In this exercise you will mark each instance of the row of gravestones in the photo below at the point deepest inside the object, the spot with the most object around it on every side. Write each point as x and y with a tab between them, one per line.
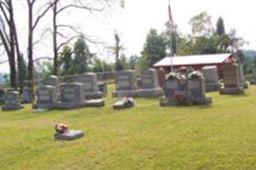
127	85
74	94
183	88
76	91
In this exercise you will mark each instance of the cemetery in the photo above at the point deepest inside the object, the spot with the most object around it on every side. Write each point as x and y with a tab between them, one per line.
122	85
111	134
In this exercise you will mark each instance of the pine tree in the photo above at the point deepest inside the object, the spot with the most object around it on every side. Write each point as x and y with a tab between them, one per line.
220	27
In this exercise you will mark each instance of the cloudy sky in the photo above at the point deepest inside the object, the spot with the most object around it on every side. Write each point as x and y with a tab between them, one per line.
139	16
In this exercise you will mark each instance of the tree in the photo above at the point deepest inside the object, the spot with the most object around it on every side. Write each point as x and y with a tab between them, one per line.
220	27
154	48
117	49
33	20
9	37
22	71
201	24
65	62
82	56
59	38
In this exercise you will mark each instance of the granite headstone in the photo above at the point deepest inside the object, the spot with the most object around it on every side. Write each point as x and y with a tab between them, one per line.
12	101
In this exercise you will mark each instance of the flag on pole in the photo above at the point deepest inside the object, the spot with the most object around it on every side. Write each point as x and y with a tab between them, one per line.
170	21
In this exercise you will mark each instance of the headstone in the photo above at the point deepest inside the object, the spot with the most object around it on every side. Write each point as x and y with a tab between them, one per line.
253	79
90	83
46	97
210	74
102	86
185	89
161	77
196	89
27	95
71	95
150	85
233	79
12	101
70	135
52	81
126	84
2	95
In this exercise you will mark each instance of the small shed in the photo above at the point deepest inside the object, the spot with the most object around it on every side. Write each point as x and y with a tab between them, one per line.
195	61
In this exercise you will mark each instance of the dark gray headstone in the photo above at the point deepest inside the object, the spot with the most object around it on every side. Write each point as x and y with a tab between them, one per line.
71	93
46	97
2	95
12	101
126	84
126	80
233	79
70	135
27	95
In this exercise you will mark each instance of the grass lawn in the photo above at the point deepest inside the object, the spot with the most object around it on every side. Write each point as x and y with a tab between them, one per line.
221	136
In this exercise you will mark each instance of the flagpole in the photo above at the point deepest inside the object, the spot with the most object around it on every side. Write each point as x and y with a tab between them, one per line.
170	24
171	51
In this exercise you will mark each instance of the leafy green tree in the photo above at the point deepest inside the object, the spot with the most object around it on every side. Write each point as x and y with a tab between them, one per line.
82	56
201	24
65	62
43	69
101	65
154	47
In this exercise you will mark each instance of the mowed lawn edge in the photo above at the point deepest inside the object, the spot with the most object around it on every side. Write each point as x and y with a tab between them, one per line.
219	136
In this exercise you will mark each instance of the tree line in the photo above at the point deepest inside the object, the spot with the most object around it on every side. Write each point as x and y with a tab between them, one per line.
37	10
74	58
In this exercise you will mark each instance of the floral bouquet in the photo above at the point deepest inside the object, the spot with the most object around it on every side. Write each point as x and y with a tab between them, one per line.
172	76
195	75
181	98
61	128
128	100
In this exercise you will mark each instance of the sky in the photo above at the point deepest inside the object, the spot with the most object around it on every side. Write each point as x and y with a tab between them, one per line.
134	21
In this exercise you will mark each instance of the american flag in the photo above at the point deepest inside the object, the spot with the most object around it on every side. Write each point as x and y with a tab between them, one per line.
170	22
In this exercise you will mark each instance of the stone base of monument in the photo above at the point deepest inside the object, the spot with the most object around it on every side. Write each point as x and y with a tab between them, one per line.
71	135
123	105
95	103
173	102
95	95
168	102
69	105
209	87
43	106
202	101
157	92
125	93
231	90
12	107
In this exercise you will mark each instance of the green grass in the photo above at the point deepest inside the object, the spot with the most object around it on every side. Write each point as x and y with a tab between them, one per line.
221	136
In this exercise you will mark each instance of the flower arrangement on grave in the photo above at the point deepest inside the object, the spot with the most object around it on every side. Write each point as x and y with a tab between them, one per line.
61	128
195	75
181	98
128	100
172	76
231	60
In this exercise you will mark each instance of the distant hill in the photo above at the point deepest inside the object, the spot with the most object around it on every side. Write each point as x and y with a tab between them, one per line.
2	79
250	54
